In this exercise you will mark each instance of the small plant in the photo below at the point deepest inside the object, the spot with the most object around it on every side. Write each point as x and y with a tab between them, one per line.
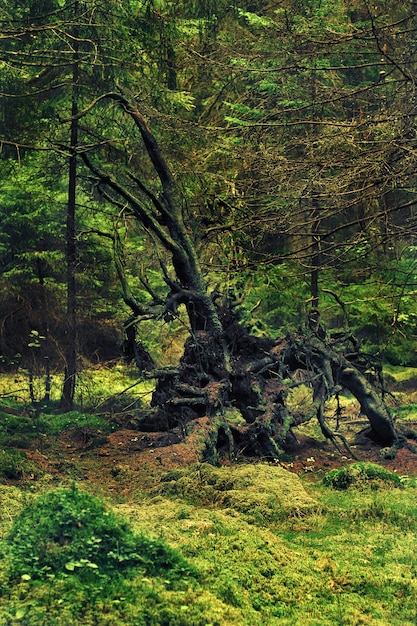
361	475
388	453
69	532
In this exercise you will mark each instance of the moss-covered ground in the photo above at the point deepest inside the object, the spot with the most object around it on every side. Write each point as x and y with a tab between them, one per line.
318	539
333	556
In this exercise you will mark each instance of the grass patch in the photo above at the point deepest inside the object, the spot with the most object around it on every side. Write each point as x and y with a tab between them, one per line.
406	412
108	396
95	387
55	423
118	386
401	374
27	429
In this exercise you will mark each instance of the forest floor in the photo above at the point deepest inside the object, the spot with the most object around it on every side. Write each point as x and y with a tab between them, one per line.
271	546
127	460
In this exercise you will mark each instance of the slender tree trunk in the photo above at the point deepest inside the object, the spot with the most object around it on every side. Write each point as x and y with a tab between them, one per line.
315	219
315	255
68	390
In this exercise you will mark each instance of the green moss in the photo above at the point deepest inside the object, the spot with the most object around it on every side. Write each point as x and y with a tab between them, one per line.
14	465
68	531
350	561
12	501
261	492
401	374
388	453
360	475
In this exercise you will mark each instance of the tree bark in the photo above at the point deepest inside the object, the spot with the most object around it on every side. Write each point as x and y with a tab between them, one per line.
332	372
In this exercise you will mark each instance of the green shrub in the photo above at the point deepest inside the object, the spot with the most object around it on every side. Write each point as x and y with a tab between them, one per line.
69	532
361	475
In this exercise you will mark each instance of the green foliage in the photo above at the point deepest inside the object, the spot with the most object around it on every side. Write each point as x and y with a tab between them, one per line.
31	217
253	19
360	475
112	388
273	299
378	305
305	100
69	532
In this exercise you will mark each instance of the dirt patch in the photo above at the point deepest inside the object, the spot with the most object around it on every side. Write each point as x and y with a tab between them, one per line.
128	460
313	457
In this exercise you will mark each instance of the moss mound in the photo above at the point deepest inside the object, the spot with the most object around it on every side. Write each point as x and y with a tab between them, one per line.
262	492
361	475
69	532
11	503
14	465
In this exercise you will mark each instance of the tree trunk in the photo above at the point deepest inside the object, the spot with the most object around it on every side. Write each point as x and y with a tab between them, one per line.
371	404
333	372
70	351
315	260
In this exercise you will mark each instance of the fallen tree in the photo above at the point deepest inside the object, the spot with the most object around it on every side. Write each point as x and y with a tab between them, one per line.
262	373
223	366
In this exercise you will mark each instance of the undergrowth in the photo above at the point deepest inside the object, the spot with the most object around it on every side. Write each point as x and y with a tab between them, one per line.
105	398
96	388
